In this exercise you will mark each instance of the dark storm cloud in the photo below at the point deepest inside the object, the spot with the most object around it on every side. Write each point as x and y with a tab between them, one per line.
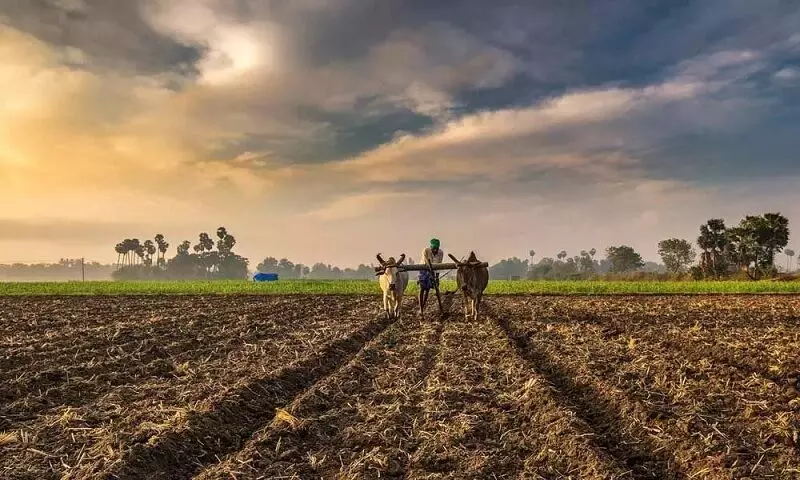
112	33
355	74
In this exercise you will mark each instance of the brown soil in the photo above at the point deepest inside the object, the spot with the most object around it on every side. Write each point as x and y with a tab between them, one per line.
326	387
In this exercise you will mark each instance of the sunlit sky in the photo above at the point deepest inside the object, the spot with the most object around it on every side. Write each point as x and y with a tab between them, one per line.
330	130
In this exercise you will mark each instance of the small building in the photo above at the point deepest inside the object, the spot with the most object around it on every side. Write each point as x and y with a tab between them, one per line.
265	277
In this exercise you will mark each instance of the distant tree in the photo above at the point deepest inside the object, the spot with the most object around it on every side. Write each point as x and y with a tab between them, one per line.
320	271
226	241
286	269
183	248
64	270
623	259
149	250
298	271
677	254
138	249
754	243
183	264
742	250
586	262
127	249
562	255
163	246
203	248
789	254
268	265
120	249
544	269
713	241
508	268
773	235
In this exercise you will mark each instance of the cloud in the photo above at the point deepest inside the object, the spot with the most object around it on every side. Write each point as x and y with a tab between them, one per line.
362	204
788	75
231	49
108	36
541	123
417	69
517	139
62	230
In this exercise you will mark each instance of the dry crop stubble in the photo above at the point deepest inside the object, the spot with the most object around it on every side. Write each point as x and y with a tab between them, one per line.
713	418
541	387
354	423
105	428
485	415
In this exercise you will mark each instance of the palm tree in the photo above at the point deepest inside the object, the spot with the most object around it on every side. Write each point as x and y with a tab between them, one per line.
713	241
789	254
138	249
777	234
128	247
162	250
205	244
120	249
532	254
149	249
183	248
206	241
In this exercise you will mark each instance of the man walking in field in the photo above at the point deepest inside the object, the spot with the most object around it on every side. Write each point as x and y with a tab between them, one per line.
426	279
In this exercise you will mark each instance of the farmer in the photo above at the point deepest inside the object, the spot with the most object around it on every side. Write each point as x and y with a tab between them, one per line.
426	280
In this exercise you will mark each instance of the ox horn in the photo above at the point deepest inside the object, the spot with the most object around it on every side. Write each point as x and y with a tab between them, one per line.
402	259
455	260
380	260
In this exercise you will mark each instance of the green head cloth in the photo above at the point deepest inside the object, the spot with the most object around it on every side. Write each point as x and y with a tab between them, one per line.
434	243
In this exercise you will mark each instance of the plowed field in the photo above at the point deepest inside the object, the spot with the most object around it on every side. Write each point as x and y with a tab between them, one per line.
245	387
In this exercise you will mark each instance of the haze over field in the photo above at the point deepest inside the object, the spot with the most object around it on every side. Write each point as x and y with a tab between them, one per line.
330	130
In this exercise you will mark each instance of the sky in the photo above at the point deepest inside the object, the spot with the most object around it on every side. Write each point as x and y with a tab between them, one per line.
331	130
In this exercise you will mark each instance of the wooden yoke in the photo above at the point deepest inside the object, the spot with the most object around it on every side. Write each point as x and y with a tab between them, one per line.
435	267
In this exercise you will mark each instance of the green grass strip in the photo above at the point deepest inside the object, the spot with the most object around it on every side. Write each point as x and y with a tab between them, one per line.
361	287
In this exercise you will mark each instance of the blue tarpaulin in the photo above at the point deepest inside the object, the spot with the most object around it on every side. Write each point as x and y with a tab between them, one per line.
265	277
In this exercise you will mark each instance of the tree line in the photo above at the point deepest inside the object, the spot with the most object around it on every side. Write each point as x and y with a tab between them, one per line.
205	260
619	261
65	269
749	249
319	271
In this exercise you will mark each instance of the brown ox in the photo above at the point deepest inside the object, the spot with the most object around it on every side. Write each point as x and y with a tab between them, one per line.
393	283
472	279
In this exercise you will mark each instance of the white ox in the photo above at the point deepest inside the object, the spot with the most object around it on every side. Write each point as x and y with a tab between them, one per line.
393	283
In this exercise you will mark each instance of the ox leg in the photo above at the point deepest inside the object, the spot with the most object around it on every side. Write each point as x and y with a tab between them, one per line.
476	306
397	302
386	304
